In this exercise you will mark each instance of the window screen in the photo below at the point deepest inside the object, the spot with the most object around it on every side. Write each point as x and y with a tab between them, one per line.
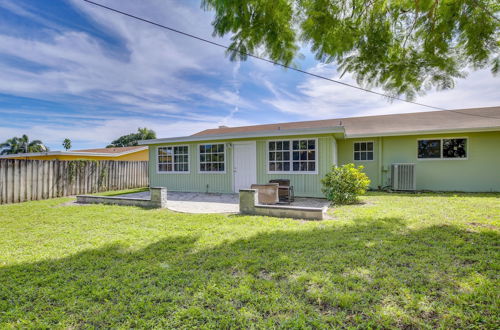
173	159
212	158
292	156
449	148
454	148
429	149
363	151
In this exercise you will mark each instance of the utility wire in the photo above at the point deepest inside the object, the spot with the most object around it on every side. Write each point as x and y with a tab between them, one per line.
474	114
257	57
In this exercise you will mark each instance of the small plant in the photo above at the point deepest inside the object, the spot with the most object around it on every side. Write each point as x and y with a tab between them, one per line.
101	180
76	166
343	184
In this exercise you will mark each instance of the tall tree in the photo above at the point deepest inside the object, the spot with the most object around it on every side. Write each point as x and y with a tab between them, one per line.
403	46
132	139
66	144
21	145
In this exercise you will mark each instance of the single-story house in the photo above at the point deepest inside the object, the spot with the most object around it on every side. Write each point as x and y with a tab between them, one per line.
134	153
452	150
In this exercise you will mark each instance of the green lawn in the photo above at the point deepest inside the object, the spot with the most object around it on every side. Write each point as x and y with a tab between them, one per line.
404	261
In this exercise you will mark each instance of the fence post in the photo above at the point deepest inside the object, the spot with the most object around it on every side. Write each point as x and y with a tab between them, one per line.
3	178
29	179
51	179
25	180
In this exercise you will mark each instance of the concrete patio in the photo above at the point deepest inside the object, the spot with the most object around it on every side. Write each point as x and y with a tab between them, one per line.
214	203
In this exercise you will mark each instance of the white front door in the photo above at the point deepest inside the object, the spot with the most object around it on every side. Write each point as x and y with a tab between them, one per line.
244	165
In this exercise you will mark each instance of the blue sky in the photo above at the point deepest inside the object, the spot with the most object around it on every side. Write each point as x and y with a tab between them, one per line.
69	69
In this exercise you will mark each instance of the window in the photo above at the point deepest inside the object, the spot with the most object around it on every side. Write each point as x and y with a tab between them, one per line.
279	156
429	149
173	159
363	150
212	158
450	148
454	148
292	156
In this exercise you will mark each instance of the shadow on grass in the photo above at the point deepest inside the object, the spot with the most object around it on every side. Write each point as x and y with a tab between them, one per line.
371	274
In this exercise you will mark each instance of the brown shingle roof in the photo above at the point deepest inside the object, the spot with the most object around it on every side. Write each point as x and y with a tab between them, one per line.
463	119
118	150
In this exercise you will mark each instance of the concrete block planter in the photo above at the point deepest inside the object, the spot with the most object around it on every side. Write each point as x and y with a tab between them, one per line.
158	199
249	205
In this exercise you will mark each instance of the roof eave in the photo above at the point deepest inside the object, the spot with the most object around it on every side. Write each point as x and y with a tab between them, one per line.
420	132
31	154
247	135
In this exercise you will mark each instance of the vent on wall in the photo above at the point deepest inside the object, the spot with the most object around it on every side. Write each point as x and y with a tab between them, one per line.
403	177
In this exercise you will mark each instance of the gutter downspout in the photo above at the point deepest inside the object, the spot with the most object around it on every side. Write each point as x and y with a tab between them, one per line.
380	162
335	152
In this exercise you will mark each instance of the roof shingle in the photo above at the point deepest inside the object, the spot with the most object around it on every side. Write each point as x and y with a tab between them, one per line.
463	119
117	150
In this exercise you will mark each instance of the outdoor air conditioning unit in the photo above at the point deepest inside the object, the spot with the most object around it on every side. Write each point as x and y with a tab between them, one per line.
403	177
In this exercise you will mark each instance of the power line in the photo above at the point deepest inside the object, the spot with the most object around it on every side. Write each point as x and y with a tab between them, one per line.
256	56
474	114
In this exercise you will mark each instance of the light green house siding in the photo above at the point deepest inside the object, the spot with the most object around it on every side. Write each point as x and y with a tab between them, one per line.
192	181
304	184
479	172
308	185
345	151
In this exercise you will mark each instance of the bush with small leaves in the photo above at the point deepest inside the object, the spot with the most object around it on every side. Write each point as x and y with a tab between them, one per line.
343	184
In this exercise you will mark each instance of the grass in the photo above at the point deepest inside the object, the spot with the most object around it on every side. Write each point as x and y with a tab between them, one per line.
396	261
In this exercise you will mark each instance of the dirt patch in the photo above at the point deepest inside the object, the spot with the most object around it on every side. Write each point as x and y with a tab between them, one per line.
483	225
71	203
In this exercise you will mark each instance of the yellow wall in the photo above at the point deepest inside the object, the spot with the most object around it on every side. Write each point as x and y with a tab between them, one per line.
135	156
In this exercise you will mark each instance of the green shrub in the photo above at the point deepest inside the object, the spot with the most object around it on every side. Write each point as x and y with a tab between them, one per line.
343	184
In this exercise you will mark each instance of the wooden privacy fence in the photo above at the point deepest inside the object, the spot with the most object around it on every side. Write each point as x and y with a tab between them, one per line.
25	180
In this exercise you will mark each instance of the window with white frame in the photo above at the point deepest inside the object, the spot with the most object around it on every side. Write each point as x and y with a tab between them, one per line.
454	148
292	156
363	150
173	159
447	148
212	157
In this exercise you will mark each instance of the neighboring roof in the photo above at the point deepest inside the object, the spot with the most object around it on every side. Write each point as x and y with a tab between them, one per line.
397	124
102	152
116	150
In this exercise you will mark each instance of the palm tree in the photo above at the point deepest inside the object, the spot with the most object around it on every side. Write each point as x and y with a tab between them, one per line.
145	134
132	138
66	144
11	146
21	145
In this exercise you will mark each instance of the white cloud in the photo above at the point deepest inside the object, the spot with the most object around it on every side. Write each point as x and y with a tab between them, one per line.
150	74
315	98
99	131
145	76
172	84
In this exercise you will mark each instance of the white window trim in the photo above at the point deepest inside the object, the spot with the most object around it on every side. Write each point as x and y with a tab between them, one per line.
291	160
198	158
354	151
157	162
441	148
